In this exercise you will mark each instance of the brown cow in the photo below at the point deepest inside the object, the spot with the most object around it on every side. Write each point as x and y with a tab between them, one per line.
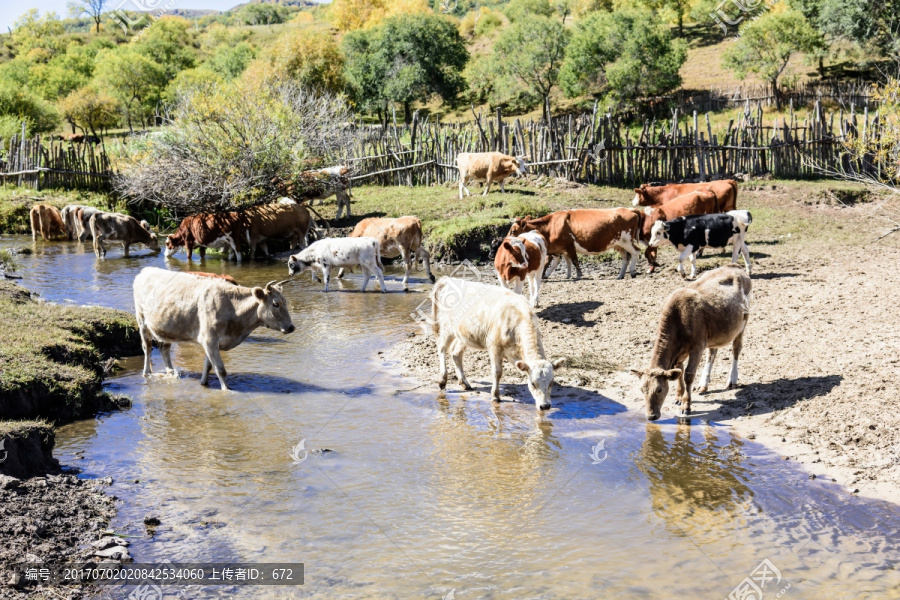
397	237
520	258
708	314
488	167
587	231
47	221
725	191
208	230
83	216
285	219
121	228
223	276
692	203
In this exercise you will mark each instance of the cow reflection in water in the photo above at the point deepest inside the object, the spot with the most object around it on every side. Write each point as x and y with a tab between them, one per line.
692	481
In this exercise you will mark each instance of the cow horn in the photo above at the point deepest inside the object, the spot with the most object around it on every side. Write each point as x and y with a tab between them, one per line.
276	284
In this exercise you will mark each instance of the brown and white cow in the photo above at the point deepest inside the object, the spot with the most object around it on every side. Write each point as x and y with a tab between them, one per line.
83	216
321	184
280	220
521	258
174	307
397	237
47	221
586	231
708	314
488	167
701	202
725	191
223	276
207	230
116	227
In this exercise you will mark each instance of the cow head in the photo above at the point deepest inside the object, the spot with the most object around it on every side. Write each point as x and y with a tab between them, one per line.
655	386
659	234
297	266
173	243
273	309
521	166
519	226
518	253
540	379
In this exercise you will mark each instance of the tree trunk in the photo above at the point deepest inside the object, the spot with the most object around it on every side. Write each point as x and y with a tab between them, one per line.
680	25
407	113
97	21
822	67
776	94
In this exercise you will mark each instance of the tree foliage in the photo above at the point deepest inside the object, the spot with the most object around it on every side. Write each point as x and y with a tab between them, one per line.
406	59
766	46
22	105
312	59
235	145
630	52
89	109
532	52
132	78
349	15
517	10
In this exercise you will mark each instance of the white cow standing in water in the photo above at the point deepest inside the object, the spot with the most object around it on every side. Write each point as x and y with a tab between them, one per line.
340	253
466	314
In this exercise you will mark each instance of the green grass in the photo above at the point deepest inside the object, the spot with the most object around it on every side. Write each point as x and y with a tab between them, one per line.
22	428
52	357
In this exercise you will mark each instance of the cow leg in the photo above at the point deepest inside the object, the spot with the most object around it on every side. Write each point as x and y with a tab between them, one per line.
693	363
340	274
127	246
326	277
425	257
534	285
650	255
681	258
367	274
99	248
573	258
496	372
35	225
745	250
707	370
204	376
457	354
442	344
166	351
693	259
736	347
211	347
626	258
487	186
347	203
407	257
502	186
380	275
554	262
147	344
462	185
519	286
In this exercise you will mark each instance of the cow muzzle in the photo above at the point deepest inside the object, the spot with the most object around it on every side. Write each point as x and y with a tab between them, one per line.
288	329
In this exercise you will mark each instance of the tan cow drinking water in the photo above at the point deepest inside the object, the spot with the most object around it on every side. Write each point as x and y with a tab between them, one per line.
173	307
47	221
710	313
467	314
488	167
116	227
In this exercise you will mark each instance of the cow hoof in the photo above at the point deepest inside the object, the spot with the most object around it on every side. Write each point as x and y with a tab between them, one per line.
495	399
431	277
204	383
467	387
442	384
732	386
701	390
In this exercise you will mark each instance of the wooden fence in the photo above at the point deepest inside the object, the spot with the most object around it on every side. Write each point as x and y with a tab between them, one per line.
39	164
600	148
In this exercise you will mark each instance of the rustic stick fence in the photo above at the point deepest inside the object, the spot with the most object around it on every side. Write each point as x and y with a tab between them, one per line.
40	164
598	147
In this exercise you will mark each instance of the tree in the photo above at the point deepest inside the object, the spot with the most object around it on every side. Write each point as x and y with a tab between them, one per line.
132	78
20	104
349	15
406	59
519	9
32	31
677	8
230	61
168	43
533	49
91	8
64	73
766	46
262	14
630	51
90	110
234	145
310	58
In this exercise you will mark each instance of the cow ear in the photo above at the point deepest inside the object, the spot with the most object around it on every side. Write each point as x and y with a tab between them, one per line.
637	190
672	374
522	366
558	363
259	293
637	372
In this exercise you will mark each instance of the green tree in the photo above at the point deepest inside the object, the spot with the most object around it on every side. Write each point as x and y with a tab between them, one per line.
133	79
519	9
231	61
766	46
20	104
677	8
630	51
262	14
406	59
168	43
533	49
65	72
310	58
32	31
871	24
89	109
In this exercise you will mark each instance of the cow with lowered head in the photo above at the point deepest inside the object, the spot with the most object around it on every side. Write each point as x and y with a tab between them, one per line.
116	227
488	167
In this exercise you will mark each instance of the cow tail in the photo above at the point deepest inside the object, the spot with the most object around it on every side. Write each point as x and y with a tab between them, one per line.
378	255
638	226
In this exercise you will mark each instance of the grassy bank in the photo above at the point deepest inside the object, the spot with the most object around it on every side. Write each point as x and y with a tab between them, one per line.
16	202
53	357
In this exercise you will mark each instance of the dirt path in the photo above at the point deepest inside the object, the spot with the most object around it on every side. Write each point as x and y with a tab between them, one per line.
819	368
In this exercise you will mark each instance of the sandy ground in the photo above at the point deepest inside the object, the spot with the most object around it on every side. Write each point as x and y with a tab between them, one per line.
819	367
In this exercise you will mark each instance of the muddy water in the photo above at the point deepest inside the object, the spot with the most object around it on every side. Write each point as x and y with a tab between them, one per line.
402	493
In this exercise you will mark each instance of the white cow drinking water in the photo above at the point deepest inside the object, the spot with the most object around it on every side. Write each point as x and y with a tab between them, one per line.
340	253
467	314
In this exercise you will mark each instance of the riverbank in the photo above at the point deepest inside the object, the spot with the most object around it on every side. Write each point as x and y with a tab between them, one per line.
54	357
819	364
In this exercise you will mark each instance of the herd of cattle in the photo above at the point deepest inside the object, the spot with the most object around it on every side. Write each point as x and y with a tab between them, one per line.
215	312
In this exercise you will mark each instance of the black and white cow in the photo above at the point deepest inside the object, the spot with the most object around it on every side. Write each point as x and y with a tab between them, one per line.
691	234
